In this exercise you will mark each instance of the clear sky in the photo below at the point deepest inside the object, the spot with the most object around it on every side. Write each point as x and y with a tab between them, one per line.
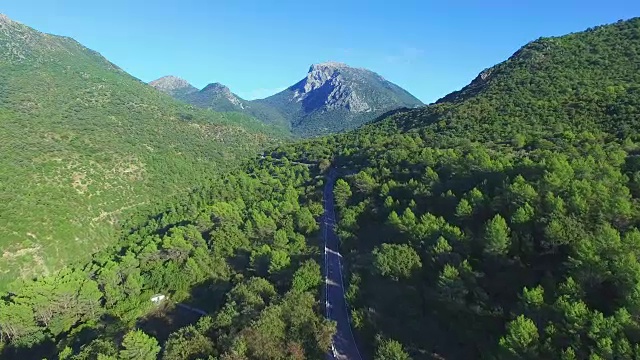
258	47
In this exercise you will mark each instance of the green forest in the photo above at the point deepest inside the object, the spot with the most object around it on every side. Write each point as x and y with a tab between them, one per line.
242	250
502	222
87	149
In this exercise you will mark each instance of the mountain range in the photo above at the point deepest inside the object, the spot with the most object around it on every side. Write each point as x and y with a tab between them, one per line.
333	97
502	220
218	97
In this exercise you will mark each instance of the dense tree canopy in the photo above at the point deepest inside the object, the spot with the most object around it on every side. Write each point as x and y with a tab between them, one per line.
88	150
139	346
512	204
241	251
396	261
502	222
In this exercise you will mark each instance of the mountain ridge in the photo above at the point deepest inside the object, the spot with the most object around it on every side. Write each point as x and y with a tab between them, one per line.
335	97
173	85
332	97
87	146
218	97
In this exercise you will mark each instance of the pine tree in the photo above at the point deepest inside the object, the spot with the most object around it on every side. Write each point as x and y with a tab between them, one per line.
496	236
521	339
137	345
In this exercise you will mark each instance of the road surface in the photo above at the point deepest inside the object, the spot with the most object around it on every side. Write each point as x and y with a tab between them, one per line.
195	310
343	344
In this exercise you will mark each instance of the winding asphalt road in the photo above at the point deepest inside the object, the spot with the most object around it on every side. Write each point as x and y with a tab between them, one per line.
343	345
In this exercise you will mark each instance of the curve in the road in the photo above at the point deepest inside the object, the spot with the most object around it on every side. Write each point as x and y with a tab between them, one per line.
343	346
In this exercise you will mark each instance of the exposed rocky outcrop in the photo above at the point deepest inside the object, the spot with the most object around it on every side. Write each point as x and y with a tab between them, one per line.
335	97
4	20
217	90
173	85
334	90
332	97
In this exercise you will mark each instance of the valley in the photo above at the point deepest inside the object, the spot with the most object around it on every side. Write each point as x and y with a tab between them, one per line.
339	218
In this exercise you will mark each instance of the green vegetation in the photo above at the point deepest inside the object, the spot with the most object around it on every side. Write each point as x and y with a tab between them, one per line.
503	221
390	350
136	345
218	97
244	251
87	150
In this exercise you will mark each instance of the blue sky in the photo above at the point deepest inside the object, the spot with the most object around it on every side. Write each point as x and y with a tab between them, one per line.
259	47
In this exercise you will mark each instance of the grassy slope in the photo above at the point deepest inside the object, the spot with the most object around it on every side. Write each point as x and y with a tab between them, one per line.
217	102
86	145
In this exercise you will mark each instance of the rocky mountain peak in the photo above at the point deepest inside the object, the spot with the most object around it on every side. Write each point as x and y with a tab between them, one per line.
4	19
6	24
328	65
170	83
220	90
332	96
217	87
331	85
321	73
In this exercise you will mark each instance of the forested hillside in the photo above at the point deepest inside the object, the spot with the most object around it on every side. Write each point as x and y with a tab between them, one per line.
218	97
86	148
503	221
500	223
245	251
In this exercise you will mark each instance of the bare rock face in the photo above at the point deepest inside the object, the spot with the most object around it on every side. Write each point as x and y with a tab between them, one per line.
172	85
331	88
335	97
332	97
485	74
4	20
319	74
